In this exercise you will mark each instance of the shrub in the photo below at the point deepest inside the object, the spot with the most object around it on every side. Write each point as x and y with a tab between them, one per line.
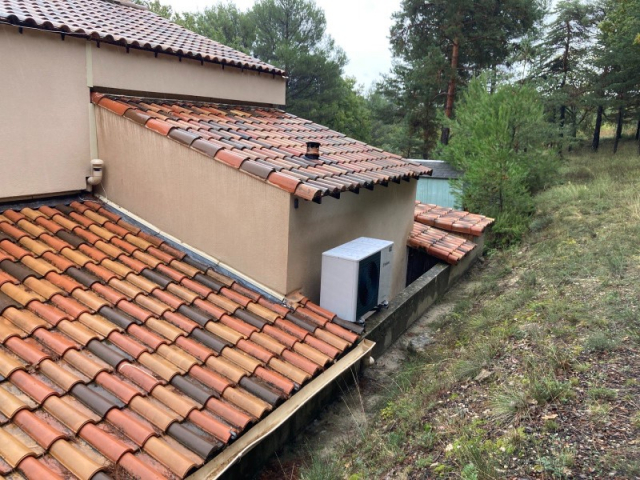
499	140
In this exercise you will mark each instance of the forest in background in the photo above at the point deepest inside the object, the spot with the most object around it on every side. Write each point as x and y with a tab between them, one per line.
582	57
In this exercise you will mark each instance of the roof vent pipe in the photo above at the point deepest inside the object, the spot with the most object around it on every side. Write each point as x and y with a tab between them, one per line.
96	173
313	150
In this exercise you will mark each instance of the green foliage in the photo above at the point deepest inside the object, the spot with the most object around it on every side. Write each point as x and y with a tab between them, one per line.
422	40
289	34
319	468
499	142
222	22
158	8
599	341
559	464
390	128
565	73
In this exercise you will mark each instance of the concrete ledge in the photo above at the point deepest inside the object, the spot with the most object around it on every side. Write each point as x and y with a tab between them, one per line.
386	326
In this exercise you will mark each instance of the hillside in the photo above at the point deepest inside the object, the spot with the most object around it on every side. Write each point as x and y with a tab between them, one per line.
535	367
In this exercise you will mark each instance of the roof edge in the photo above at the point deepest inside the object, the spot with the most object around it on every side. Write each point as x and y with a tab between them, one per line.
142	94
47	27
310	186
222	463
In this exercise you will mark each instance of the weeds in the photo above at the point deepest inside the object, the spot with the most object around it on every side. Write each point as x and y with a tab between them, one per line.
508	404
321	468
599	342
544	318
546	389
559	464
601	393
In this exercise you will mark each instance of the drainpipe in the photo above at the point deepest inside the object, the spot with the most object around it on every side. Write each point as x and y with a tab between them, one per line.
96	174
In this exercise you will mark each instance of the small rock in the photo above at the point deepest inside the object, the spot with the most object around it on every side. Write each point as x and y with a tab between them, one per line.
420	343
483	375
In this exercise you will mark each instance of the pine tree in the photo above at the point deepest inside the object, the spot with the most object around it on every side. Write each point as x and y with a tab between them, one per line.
499	141
619	54
565	71
447	41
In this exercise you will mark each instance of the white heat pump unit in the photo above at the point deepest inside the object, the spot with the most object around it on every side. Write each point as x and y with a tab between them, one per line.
356	277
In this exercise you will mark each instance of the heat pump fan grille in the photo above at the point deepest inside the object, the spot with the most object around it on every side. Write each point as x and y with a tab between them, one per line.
368	284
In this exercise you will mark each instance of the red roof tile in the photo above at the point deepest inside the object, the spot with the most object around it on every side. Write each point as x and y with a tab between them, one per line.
144	368
124	24
451	220
437	243
270	145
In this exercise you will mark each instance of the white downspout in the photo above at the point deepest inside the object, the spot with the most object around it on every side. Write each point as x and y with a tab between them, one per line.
96	173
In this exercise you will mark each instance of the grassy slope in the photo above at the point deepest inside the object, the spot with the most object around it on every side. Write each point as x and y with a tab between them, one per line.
554	323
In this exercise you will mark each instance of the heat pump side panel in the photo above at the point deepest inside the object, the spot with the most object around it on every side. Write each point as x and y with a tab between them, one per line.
386	273
339	286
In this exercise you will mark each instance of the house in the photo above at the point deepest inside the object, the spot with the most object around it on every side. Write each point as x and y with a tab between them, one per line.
147	326
436	188
250	208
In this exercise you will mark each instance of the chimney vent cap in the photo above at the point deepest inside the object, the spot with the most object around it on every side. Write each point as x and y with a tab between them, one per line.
313	150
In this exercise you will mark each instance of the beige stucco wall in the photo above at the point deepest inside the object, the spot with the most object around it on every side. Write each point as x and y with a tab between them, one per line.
239	220
139	70
385	213
44	115
45	110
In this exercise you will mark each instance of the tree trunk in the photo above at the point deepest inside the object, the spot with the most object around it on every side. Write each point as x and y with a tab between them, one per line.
563	116
565	72
451	90
596	131
618	129
494	79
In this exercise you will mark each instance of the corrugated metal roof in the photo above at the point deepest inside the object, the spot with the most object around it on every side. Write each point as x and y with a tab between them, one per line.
441	169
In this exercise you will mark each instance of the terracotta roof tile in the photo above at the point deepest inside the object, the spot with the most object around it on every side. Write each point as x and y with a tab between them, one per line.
275	150
122	24
431	229
451	220
444	246
134	356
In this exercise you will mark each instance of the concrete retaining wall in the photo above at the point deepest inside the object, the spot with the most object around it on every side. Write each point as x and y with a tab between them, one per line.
386	326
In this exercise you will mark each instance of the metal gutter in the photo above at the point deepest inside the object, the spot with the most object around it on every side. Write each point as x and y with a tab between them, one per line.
277	428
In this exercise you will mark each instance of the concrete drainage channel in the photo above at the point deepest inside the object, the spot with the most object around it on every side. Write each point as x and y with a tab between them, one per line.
245	457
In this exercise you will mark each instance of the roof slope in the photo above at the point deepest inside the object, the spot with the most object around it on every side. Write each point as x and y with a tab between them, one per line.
122	354
451	220
432	226
269	144
114	22
440	244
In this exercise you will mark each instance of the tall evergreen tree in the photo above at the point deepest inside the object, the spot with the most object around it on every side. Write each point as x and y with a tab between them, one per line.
448	41
222	22
565	70
499	143
619	54
291	34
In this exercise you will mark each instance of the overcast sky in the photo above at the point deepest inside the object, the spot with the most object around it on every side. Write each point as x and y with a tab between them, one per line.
360	27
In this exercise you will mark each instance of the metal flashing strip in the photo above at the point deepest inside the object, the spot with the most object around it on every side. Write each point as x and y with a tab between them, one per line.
228	457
